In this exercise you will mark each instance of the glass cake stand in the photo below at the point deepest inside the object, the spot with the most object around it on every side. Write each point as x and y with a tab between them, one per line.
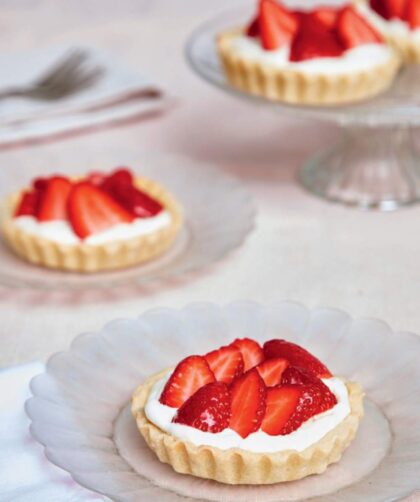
376	164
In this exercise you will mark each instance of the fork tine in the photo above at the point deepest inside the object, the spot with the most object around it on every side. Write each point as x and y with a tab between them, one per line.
76	83
58	72
88	77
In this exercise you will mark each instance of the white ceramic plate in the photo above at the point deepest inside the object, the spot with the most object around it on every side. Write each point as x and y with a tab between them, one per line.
219	214
80	406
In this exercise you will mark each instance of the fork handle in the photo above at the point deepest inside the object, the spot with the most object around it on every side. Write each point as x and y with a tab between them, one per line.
14	92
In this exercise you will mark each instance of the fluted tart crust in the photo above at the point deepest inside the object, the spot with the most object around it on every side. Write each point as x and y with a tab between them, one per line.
86	258
293	86
236	466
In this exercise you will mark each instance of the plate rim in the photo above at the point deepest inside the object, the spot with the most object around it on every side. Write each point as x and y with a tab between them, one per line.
223	307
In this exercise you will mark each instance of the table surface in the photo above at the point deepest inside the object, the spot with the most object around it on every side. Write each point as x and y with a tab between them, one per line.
303	248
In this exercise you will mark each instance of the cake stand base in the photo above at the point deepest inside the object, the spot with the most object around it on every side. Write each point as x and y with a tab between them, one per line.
370	168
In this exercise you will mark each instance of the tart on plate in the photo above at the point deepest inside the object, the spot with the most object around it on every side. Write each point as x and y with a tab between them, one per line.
320	57
398	21
98	222
246	414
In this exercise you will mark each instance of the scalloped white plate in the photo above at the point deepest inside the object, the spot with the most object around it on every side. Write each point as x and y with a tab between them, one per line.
219	214
80	406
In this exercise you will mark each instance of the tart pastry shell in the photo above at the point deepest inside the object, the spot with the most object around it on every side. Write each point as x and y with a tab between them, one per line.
236	466
406	46
87	258
296	87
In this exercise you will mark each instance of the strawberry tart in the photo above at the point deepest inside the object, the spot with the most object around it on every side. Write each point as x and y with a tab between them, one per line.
90	224
319	57
398	21
246	414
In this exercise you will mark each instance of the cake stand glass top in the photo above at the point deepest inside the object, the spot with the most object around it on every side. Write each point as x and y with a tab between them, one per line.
400	105
376	165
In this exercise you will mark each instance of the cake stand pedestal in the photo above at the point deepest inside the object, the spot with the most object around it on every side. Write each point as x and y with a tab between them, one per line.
376	168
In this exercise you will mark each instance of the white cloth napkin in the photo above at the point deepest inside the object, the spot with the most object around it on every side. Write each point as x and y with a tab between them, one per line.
25	473
114	97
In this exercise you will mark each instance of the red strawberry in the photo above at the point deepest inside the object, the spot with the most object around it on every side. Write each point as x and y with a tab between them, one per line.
326	16
226	363
353	29
396	8
28	205
248	403
314	41
208	409
191	374
380	7
120	185
277	25
120	178
253	29
53	204
280	405
412	14
251	351
293	376
40	183
271	370
310	403
297	356
138	202
91	210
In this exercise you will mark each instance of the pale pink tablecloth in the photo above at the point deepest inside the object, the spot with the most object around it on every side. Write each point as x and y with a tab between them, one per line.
303	249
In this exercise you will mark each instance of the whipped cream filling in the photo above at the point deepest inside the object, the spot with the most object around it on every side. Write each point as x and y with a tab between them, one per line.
359	58
60	231
308	433
395	27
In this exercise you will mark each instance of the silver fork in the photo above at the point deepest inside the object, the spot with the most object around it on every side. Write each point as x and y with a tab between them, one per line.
68	76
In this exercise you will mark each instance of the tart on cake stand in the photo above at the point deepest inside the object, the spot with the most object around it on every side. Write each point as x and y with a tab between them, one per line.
375	165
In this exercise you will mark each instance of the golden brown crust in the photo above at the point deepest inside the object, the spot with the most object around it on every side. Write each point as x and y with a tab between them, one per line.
95	258
235	466
406	46
294	86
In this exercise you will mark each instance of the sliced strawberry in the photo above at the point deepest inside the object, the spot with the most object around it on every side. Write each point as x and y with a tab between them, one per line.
91	210
251	351
380	7
28	205
226	363
191	374
314	41
253	29
271	370
208	409
277	25
397	8
138	202
294	376
326	16
310	403
412	14
120	178
248	403
53	204
120	185
299	376
281	403
353	29
297	356
40	183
